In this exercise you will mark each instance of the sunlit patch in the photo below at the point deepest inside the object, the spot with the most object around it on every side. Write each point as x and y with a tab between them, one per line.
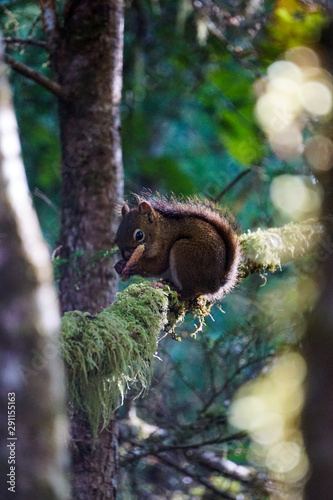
268	409
286	86
316	98
275	111
296	196
303	57
268	428
288	143
283	457
285	69
244	410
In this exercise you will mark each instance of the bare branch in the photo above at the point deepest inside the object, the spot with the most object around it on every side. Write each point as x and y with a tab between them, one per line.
24	41
213	463
42	196
196	477
239	370
37	77
156	448
232	184
50	23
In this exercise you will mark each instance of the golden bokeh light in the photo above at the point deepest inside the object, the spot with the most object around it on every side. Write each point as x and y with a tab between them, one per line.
316	98
298	197
286	69
303	57
268	409
295	91
276	111
288	143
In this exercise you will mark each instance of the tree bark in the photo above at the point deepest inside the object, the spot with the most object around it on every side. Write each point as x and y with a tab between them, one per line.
318	352
318	345
32	420
318	409
89	67
86	53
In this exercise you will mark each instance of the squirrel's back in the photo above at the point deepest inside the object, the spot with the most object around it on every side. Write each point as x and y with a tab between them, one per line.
210	213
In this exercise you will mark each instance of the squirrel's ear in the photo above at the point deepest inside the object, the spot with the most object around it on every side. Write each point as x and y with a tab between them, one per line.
146	209
125	209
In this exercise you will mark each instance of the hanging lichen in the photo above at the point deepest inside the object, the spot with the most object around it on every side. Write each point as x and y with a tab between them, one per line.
270	248
106	352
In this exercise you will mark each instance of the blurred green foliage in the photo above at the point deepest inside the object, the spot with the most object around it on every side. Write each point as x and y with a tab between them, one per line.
36	112
188	124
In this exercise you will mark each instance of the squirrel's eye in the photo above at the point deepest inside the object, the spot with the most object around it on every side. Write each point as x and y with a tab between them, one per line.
138	235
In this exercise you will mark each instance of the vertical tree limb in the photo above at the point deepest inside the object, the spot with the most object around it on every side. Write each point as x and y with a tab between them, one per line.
318	346
90	68
31	373
87	59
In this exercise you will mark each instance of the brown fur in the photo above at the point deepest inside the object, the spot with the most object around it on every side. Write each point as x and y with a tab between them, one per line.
189	242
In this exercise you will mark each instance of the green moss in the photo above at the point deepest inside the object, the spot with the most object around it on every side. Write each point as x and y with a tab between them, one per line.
176	312
107	352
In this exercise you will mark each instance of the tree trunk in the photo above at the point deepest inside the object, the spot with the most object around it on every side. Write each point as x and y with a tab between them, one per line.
87	60
89	66
318	409
318	352
318	345
32	420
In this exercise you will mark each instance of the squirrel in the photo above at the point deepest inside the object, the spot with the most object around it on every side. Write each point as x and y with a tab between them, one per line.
188	243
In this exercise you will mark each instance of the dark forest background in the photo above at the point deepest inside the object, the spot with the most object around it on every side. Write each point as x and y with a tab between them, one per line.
189	128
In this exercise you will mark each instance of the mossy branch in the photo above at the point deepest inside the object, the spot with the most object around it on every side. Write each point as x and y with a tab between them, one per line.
103	354
269	249
107	352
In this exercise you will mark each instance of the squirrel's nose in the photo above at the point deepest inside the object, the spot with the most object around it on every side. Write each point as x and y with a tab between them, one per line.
127	254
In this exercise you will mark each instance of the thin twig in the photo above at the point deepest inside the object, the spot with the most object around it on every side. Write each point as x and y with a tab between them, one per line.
37	77
214	463
155	449
33	25
218	393
24	41
42	196
195	477
232	184
192	387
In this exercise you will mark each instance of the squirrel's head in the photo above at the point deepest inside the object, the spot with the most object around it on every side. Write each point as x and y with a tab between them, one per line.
137	227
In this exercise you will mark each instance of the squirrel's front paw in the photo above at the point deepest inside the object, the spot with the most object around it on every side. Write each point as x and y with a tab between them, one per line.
120	266
124	270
